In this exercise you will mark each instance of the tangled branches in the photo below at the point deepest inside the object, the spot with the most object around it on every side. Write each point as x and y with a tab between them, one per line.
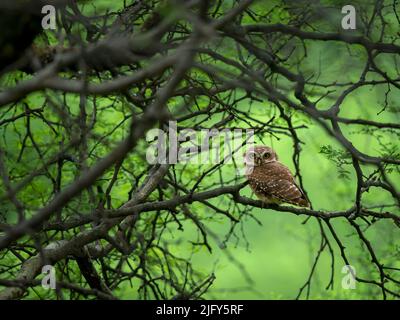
78	193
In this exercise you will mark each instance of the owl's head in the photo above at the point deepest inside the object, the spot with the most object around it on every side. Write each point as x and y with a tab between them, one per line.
259	155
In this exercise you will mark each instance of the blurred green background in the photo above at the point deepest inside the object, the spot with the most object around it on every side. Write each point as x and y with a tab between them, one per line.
271	255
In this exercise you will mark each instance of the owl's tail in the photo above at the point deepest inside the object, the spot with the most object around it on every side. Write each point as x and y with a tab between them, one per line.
303	202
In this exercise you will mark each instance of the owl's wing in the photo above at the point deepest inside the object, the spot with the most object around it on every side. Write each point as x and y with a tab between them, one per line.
277	181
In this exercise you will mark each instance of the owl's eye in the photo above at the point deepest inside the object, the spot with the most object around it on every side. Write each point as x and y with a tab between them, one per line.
251	156
266	155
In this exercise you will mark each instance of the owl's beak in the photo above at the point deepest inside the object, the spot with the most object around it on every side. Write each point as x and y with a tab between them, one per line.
257	160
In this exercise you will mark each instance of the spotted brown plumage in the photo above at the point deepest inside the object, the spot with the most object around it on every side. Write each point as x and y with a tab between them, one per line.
272	181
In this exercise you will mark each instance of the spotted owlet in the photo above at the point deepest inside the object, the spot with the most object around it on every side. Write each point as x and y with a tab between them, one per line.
270	180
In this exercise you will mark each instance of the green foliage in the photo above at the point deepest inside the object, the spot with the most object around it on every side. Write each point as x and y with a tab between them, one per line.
51	137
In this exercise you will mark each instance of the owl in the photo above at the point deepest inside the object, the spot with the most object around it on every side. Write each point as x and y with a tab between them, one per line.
270	180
